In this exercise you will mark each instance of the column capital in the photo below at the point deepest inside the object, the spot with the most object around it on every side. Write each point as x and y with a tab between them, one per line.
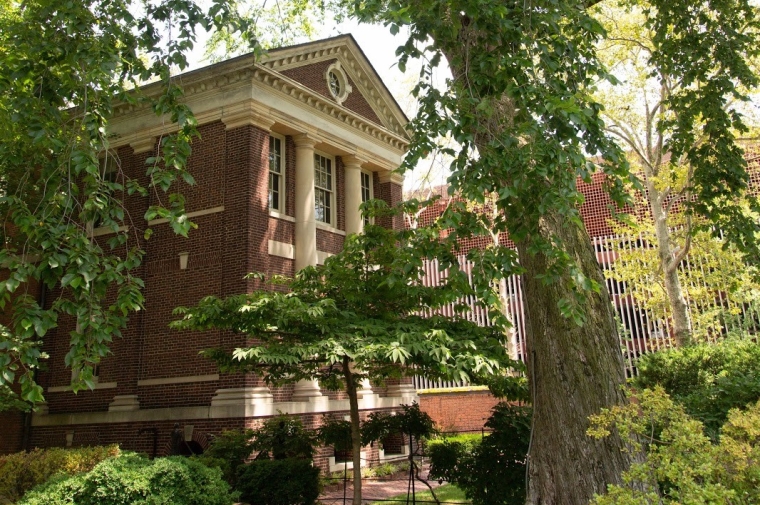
305	140
390	176
353	161
245	114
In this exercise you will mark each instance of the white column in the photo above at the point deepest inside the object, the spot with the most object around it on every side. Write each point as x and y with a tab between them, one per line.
306	224
354	221
306	389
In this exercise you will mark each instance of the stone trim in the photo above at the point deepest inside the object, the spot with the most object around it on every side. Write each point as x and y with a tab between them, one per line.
197	213
280	215
282	249
389	176
105	230
98	385
313	406
178	380
322	256
331	229
344	48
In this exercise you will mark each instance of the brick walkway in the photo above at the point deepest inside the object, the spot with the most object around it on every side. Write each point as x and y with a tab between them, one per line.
376	489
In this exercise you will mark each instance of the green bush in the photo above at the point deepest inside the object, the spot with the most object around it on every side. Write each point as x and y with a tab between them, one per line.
279	482
707	379
22	471
491	472
681	464
135	480
228	452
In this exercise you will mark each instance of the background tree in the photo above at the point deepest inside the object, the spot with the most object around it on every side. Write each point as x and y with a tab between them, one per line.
669	144
519	106
365	315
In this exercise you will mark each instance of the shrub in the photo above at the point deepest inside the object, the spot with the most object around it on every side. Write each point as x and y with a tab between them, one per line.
135	480
284	437
707	379
228	452
491	472
22	471
279	482
681	464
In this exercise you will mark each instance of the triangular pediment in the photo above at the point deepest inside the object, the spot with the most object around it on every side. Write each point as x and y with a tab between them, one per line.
307	64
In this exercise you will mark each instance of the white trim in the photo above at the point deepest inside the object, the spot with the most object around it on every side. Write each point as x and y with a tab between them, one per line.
282	174
280	215
98	385
330	228
322	256
282	249
348	465
178	380
390	176
197	213
333	191
345	88
243	409
107	230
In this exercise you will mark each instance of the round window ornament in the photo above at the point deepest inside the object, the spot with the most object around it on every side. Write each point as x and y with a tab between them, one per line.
337	82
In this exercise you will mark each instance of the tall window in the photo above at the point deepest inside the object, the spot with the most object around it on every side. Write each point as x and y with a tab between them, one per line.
323	188
366	190
276	182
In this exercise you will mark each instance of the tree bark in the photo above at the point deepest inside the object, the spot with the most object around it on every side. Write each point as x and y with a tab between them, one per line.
574	372
356	439
678	306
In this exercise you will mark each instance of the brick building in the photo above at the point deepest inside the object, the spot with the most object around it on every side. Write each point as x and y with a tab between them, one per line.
290	146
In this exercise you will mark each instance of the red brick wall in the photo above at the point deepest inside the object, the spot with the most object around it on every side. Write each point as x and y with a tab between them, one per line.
460	411
313	77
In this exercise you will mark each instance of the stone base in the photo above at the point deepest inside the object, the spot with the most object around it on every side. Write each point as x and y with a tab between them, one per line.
124	403
242	396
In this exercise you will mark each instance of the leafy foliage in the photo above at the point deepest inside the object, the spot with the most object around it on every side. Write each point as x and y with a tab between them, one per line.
411	421
681	462
134	479
708	380
64	67
367	305
283	437
22	471
228	452
280	482
491	471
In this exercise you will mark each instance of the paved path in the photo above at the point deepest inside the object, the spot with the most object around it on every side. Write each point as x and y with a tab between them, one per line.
376	489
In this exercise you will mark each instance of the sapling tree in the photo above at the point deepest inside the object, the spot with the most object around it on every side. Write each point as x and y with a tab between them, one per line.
366	314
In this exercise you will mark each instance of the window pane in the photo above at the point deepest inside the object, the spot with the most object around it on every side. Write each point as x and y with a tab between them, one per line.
275	173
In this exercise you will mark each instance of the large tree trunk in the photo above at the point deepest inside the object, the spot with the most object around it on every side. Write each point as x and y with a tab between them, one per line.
356	438
574	372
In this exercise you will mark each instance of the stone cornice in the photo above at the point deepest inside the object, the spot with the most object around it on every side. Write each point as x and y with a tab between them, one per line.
344	49
393	177
249	112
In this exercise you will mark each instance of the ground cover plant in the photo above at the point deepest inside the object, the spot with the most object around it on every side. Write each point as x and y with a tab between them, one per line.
447	493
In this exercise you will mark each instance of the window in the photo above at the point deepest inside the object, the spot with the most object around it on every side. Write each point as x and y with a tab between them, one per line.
276	175
366	179
323	188
337	82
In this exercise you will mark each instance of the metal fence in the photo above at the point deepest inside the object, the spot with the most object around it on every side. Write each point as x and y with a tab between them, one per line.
642	331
